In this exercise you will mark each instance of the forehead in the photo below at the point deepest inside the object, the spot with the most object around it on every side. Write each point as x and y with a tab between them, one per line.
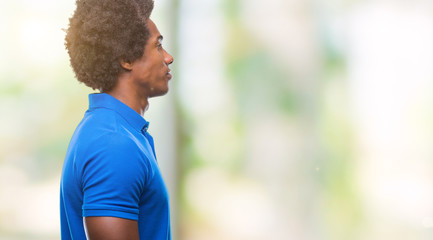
153	30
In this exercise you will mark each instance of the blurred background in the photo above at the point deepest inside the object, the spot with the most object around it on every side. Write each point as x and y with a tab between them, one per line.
286	119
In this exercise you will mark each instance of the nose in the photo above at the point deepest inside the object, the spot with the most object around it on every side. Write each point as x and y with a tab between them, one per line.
168	59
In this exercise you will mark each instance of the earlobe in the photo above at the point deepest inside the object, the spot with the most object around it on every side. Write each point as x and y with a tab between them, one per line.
126	65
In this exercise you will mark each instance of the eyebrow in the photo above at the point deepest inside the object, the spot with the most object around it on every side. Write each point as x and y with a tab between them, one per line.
160	38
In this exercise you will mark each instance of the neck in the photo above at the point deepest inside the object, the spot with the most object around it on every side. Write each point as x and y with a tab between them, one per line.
127	93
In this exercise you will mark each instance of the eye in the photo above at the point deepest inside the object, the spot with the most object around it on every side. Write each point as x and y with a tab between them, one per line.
159	46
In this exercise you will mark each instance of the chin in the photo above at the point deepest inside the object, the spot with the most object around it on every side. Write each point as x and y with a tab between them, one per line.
159	93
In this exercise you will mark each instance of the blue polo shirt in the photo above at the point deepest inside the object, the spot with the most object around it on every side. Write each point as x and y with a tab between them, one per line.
111	170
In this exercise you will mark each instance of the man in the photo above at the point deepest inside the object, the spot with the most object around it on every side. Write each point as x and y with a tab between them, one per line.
111	186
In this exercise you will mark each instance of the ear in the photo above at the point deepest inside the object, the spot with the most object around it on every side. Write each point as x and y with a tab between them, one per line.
127	65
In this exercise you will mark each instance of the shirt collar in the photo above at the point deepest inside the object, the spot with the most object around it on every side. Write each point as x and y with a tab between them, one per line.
103	100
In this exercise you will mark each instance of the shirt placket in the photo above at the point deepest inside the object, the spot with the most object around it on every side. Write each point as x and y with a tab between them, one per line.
149	138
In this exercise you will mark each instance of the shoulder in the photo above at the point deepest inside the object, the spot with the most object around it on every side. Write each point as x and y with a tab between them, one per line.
100	120
102	129
104	138
105	147
115	156
115	145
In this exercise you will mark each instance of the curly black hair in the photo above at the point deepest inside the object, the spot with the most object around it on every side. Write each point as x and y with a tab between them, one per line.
102	33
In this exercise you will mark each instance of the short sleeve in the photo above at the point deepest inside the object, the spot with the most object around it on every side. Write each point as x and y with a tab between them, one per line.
113	178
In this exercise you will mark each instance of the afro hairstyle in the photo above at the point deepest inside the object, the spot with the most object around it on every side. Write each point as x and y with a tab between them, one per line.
101	33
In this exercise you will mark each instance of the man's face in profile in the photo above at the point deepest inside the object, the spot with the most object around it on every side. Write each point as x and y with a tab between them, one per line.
151	71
